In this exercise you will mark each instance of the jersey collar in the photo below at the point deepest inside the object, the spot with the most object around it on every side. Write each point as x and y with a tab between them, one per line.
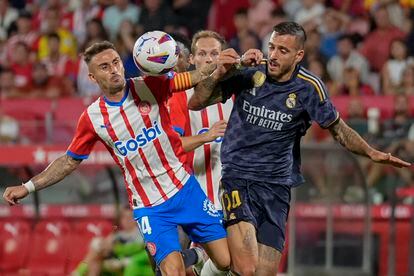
126	91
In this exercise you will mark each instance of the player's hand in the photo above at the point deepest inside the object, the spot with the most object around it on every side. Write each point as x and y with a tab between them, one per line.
216	130
225	61
13	194
251	57
387	158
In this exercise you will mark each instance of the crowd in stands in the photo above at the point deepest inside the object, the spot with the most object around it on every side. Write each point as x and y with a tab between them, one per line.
362	49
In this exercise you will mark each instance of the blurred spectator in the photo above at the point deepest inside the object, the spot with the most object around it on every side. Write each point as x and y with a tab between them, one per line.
95	32
241	23
67	40
249	41
351	7
24	33
332	28
376	46
8	87
352	84
120	253
45	86
310	14
124	44
192	14
319	69
120	11
85	87
347	56
407	83
21	64
58	64
260	15
8	14
278	16
83	13
9	129
312	50
156	15
356	116
398	139
394	67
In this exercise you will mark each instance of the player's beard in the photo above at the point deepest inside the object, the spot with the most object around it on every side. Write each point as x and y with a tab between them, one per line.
283	70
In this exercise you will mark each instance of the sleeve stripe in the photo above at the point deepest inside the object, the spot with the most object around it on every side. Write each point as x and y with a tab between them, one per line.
321	94
77	156
334	121
316	80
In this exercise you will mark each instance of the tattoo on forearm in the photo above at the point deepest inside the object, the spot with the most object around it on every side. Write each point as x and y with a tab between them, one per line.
349	138
55	172
249	240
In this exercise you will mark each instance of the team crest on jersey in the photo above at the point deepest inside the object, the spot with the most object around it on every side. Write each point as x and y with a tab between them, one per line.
291	100
144	107
152	248
258	79
208	207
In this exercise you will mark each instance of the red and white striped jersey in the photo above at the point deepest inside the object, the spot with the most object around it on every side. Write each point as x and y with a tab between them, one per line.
204	160
137	132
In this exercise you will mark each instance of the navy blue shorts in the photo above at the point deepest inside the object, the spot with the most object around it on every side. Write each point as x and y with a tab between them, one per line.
265	205
191	209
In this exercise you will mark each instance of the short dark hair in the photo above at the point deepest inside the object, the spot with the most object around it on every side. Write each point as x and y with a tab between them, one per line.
179	37
96	48
205	34
291	28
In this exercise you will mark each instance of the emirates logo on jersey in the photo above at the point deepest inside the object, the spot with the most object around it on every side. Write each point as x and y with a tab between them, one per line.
144	107
152	248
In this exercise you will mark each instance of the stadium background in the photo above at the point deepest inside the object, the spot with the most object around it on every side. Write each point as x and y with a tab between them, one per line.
351	217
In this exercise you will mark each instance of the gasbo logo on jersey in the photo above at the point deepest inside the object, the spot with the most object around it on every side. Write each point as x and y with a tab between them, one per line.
204	130
143	138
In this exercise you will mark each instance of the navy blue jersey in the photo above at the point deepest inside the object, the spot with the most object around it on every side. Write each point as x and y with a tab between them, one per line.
262	140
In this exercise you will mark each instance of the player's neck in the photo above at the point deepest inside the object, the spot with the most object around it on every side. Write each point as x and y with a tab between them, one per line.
114	96
287	76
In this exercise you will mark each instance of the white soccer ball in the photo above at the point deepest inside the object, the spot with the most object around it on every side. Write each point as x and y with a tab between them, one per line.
155	53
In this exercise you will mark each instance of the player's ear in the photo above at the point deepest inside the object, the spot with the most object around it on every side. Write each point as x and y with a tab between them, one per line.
91	77
191	59
299	55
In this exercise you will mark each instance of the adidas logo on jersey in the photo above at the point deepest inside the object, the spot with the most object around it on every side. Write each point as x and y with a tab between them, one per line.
143	138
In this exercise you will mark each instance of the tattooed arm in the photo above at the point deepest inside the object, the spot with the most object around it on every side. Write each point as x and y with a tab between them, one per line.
56	171
352	141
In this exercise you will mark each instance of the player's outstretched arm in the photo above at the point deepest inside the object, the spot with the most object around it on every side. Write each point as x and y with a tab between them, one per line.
217	130
352	141
56	171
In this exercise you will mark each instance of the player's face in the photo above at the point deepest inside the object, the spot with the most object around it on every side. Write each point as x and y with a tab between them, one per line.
207	52
107	70
284	54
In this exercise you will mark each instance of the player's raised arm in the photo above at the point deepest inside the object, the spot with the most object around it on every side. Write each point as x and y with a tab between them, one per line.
56	171
186	80
208	92
352	141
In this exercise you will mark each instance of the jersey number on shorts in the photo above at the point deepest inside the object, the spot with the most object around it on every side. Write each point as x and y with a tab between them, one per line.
233	202
145	226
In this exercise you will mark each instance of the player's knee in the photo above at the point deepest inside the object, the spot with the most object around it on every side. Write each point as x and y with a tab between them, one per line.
223	263
173	270
244	268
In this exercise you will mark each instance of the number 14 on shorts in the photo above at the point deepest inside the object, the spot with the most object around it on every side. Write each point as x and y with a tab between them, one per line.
144	225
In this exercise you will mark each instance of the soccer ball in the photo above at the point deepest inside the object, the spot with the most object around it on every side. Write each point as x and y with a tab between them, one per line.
155	53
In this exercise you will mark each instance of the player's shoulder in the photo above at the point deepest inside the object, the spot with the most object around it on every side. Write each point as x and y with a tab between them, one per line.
311	82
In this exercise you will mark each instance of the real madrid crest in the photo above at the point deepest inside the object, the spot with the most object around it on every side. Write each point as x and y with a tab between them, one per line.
291	100
258	78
